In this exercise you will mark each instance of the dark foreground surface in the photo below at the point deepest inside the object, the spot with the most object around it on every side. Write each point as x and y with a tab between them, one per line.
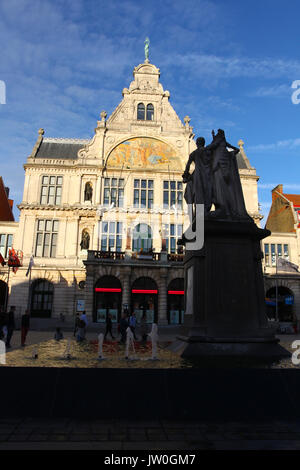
206	395
157	435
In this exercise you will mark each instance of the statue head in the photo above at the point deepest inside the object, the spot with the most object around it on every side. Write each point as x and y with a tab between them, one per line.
221	132
200	142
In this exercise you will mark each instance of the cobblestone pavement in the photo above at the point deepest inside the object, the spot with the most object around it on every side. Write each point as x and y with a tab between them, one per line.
162	435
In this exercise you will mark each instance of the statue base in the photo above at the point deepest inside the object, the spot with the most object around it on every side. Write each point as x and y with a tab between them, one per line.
224	295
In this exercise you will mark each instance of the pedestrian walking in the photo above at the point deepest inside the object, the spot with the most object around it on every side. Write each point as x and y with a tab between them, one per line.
76	325
58	334
81	330
25	323
143	328
123	327
10	325
132	324
108	327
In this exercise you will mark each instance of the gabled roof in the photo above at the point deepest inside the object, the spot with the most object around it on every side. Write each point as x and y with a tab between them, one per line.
60	148
6	214
294	198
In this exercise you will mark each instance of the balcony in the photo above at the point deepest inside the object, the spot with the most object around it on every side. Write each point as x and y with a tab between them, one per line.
134	257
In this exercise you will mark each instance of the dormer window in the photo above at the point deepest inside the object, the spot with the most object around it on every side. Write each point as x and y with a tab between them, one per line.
150	112
141	112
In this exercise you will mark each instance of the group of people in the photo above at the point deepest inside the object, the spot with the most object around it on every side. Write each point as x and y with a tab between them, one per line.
130	321
126	321
8	325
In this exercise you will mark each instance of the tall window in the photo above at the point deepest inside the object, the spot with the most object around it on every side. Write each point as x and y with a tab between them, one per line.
141	112
142	238
143	194
51	190
277	251
46	238
111	236
267	255
172	233
150	112
42	298
113	192
5	244
172	194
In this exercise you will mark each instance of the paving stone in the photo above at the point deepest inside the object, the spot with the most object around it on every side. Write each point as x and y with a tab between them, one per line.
79	437
38	437
118	437
99	437
18	437
156	435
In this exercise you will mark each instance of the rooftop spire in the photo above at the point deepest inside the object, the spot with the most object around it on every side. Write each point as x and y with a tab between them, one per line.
147	43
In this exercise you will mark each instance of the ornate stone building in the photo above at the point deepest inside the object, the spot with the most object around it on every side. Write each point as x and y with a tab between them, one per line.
282	257
102	216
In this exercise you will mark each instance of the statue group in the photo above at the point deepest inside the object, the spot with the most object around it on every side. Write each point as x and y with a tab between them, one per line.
215	180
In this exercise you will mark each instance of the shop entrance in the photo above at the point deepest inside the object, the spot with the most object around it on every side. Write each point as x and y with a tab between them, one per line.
144	295
285	300
176	302
107	299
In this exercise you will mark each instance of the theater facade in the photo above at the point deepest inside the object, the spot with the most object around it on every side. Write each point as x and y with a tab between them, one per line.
102	217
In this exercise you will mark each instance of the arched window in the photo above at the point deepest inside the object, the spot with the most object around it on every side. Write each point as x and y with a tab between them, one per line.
150	112
141	112
142	238
88	192
42	299
85	240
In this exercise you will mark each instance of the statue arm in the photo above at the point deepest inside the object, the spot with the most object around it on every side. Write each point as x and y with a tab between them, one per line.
186	173
236	150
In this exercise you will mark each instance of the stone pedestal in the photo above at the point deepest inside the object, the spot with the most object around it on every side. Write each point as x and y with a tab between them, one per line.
224	295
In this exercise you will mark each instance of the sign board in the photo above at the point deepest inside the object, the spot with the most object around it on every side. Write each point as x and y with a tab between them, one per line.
80	305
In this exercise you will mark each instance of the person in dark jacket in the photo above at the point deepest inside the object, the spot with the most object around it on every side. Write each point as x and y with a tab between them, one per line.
25	323
108	327
123	327
10	325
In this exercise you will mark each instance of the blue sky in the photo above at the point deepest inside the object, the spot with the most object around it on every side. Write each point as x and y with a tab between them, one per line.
227	64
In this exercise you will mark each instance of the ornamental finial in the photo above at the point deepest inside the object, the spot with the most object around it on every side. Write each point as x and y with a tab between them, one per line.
147	43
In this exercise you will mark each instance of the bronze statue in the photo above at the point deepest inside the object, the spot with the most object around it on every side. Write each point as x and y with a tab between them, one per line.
227	194
199	184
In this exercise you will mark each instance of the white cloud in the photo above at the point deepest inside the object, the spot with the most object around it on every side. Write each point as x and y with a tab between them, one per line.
272	91
279	145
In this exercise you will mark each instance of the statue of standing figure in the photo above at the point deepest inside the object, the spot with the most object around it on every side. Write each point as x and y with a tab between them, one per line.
216	179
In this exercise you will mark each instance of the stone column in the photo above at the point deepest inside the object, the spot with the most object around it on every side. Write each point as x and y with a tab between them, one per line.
163	297
126	287
89	292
